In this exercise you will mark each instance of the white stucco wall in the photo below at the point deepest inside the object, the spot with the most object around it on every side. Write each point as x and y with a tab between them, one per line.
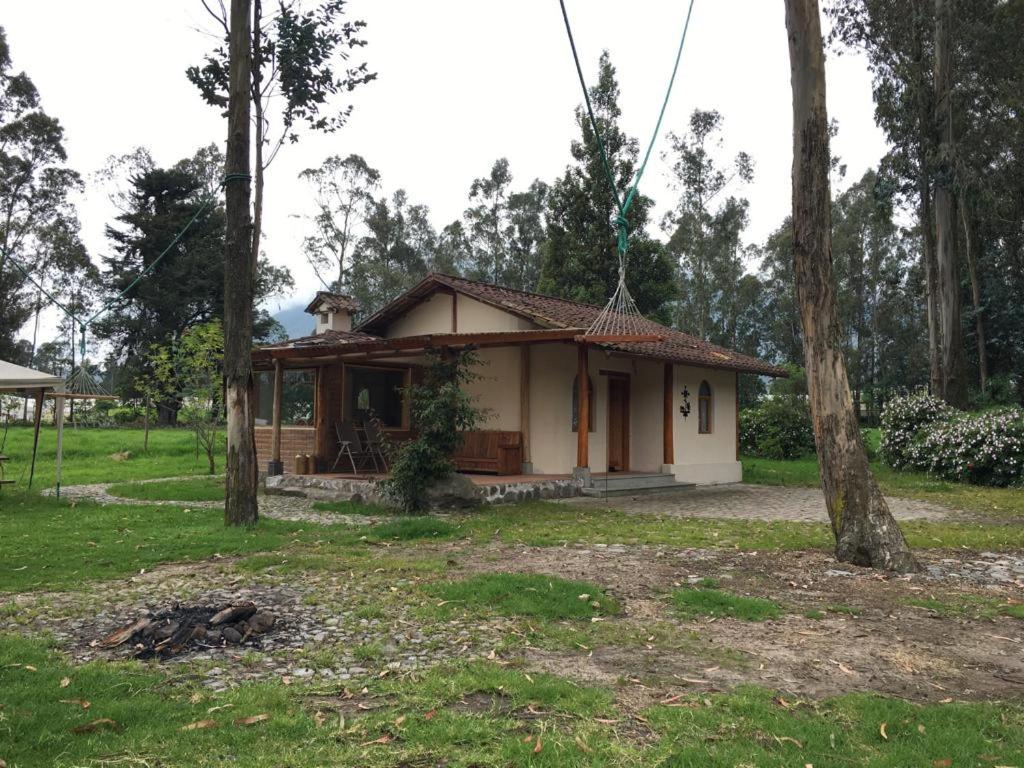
496	391
705	459
432	315
553	443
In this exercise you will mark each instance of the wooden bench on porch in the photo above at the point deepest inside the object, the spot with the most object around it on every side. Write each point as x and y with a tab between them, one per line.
490	451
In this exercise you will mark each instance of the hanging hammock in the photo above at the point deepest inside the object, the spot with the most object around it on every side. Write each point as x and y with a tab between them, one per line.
82	385
621	319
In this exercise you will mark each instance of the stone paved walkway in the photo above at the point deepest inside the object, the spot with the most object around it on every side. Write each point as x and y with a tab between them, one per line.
752	502
292	508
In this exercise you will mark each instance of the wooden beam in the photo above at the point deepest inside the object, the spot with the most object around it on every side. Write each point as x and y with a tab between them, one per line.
524	399
583	409
455	312
276	418
668	446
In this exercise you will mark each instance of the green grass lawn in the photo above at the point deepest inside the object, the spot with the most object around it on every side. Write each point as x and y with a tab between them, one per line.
524	594
195	489
706	600
997	502
134	717
87	455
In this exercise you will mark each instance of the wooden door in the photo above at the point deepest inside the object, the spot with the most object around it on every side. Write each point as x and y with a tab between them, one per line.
618	423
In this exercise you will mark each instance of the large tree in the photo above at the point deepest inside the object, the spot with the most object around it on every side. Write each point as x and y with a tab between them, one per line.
705	230
865	531
297	66
344	190
186	287
505	229
34	188
579	256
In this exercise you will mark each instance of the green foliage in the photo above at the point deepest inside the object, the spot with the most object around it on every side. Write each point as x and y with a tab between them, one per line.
526	594
439	410
189	372
904	417
186	288
704	601
579	256
777	429
34	208
705	230
987	448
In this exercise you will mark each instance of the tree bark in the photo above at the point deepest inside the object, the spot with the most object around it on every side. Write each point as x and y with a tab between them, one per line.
866	533
239	284
926	222
972	268
954	390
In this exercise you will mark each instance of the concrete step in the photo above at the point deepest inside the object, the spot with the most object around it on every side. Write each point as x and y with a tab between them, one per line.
630	484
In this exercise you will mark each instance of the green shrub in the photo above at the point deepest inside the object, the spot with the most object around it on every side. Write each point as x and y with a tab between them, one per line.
778	428
984	448
903	418
923	433
439	410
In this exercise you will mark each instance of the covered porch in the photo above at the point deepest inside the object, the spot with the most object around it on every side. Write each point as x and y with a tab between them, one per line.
528	390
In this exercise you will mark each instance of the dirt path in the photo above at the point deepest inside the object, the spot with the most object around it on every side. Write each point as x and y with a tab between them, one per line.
872	640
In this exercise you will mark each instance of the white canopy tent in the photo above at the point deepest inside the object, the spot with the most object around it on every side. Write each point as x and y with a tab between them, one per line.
36	384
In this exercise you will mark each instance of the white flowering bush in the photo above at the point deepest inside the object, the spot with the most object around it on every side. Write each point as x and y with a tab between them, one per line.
983	448
920	432
903	419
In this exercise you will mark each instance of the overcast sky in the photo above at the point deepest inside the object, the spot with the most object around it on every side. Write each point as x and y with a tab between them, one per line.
460	83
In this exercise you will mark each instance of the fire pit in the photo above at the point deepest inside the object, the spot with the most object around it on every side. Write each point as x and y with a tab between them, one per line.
181	629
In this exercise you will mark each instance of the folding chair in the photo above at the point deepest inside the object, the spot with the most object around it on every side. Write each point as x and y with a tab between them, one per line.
375	442
350	446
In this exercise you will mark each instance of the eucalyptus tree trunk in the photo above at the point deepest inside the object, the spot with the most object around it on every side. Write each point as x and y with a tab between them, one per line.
970	252
923	89
239	284
866	533
954	390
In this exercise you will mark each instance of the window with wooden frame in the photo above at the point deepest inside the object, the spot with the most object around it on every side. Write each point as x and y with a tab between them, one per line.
296	397
704	405
576	405
377	393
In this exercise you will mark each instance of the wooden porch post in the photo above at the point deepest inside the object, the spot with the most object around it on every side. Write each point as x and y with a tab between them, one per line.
668	451
737	416
583	413
524	406
275	465
35	433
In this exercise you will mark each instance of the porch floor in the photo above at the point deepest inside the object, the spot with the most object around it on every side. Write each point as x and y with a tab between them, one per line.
482	478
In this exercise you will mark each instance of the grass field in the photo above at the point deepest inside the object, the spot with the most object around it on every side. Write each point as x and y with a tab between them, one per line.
412	575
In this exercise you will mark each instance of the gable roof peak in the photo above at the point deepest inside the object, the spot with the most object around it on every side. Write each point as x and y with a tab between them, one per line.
332	302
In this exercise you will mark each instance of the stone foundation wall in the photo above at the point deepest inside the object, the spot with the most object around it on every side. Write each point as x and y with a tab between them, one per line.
368	491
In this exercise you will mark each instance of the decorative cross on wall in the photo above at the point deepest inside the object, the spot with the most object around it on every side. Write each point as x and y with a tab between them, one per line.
685	407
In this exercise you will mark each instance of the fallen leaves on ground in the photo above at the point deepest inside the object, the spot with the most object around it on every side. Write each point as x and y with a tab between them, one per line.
252	719
199	725
95	725
65	682
83	703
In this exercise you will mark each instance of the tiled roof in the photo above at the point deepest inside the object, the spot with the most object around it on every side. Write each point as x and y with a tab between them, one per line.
332	302
551	312
327	338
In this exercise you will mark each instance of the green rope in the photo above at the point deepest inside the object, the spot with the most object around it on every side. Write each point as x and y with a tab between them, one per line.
621	205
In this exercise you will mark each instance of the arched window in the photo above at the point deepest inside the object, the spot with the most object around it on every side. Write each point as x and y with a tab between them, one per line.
576	405
704	409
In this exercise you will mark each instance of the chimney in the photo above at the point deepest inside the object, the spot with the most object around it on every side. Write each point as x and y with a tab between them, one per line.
332	311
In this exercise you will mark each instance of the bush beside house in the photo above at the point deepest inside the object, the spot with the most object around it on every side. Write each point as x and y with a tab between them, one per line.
923	433
778	428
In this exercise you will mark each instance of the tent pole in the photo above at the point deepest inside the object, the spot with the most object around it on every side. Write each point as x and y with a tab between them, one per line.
59	418
35	438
